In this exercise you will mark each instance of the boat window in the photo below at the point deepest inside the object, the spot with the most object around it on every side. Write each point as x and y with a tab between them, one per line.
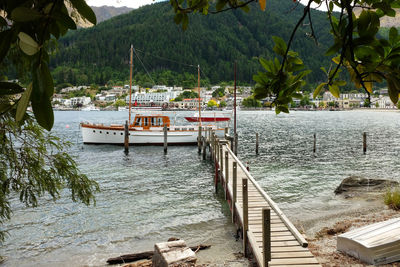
146	121
177	129
153	122
100	132
115	133
121	133
138	120
160	122
107	132
191	129
94	131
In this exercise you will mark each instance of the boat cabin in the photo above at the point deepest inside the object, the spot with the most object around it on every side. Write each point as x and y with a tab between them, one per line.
147	121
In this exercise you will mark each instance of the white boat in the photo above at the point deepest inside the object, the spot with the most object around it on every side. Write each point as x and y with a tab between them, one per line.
90	108
145	130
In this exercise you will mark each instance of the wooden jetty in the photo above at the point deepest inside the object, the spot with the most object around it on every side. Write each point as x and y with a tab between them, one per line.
267	233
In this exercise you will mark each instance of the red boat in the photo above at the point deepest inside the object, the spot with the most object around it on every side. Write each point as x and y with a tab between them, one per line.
210	117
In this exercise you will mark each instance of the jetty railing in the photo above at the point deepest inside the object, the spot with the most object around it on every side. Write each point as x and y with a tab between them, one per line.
254	211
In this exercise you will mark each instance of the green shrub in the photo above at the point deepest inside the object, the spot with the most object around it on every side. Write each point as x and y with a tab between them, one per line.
392	198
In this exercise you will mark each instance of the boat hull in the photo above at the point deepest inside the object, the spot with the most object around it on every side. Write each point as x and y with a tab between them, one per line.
207	119
99	134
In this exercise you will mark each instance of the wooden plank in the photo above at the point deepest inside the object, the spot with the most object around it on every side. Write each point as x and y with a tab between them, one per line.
295	265
294	254
289	249
297	261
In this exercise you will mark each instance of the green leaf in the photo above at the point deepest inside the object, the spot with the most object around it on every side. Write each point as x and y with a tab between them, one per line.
24	14
84	10
185	22
5	107
318	89
27	44
333	49
8	88
297	95
245	8
393	35
280	45
3	22
5	43
48	7
43	113
339	83
43	86
65	20
220	5
268	65
393	88
178	18
23	103
334	89
47	80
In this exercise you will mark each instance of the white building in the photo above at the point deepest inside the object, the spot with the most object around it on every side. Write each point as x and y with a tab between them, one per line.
383	102
152	98
83	100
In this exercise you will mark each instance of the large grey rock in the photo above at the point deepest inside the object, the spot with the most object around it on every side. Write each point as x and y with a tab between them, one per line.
361	184
173	254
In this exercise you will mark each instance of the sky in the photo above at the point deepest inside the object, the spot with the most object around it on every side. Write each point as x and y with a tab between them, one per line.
139	3
119	3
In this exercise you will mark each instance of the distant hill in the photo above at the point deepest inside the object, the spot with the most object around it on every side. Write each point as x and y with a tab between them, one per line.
104	13
101	53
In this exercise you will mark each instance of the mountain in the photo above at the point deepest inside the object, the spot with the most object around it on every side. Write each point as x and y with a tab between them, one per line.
170	56
106	12
103	13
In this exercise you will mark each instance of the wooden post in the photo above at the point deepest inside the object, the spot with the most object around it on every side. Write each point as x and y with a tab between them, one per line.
216	149
315	142
245	215
165	138
226	131
234	189
216	177
221	161
226	174
257	143
199	139
266	228
236	144
126	139
204	148
365	143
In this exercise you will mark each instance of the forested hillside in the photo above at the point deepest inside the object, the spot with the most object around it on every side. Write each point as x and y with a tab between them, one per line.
101	53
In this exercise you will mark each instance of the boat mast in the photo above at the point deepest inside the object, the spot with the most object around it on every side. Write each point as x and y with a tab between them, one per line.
234	102
198	85
130	84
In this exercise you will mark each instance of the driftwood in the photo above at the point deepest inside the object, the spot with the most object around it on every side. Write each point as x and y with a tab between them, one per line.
147	255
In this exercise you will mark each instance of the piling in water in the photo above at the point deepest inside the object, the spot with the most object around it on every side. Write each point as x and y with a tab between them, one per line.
165	138
364	143
126	137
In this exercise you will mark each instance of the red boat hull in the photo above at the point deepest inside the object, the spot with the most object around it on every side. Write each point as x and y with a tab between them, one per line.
207	119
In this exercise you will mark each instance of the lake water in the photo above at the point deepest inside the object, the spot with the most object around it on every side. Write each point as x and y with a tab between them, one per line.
147	197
